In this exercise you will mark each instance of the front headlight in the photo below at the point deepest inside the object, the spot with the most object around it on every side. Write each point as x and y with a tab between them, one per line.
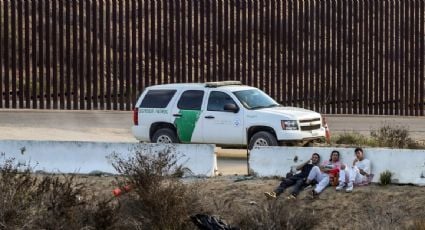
289	125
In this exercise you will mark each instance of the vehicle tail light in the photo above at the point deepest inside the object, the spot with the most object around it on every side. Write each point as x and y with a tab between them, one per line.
136	116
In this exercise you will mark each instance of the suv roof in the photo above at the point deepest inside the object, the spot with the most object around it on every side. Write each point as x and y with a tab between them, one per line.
198	85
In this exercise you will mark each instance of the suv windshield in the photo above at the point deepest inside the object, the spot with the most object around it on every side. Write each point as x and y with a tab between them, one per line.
255	99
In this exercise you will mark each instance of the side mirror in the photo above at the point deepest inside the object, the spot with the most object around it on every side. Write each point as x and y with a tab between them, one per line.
231	108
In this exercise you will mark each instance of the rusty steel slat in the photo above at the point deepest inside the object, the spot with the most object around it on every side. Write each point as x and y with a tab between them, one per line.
108	37
376	60
349	58
328	71
171	34
371	67
120	77
390	69
54	55
416	58
1	53
95	53
47	56
89	64
62	37
34	55
76	55
412	51
125	75
422	58
115	56
343	98
191	30
141	48
381	59
361	58
127	72
20	92
183	42
190	42
405	59
313	88
267	52
159	50
297	54
357	61
13	53
68	54
178	41
226	36
386	55
6	54
200	11
249	38
279	72
290	39
240	73
75	65
220	41
81	57
165	42
331	105
27	56
232	41
134	63
303	94
322	58
271	80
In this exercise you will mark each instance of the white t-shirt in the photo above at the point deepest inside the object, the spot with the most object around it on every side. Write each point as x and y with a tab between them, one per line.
363	164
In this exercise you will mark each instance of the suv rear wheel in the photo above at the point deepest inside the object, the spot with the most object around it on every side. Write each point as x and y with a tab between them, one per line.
262	138
165	136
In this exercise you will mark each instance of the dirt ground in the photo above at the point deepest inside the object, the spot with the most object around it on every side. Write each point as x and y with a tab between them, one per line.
368	207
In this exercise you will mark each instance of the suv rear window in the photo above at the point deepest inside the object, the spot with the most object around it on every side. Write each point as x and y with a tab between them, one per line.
191	100
157	98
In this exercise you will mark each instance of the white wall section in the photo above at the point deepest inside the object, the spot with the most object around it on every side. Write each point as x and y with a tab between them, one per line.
408	165
86	157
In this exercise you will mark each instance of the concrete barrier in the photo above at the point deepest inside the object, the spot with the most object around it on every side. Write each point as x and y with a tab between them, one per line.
407	165
86	157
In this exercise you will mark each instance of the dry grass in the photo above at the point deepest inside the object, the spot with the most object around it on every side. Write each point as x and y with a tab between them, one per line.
385	136
161	199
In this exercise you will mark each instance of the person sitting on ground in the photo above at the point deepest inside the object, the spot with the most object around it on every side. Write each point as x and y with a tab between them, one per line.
297	180
322	174
357	173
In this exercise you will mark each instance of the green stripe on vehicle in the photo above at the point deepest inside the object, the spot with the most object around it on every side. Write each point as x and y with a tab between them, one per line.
186	124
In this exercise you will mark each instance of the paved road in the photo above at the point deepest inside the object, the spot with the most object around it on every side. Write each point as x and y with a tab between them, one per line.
114	126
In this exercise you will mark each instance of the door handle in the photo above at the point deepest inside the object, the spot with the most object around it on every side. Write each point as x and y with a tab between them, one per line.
209	117
177	115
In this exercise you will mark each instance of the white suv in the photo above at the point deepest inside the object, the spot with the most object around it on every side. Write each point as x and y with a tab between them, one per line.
223	113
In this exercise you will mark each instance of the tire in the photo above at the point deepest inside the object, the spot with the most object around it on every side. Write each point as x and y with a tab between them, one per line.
262	138
165	136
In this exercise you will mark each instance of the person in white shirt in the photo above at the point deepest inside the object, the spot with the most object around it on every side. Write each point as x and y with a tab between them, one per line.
357	173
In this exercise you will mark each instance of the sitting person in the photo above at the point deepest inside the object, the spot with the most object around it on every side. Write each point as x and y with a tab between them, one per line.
297	180
357	173
322	174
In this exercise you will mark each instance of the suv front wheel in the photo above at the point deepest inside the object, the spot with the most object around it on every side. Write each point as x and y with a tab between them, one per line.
165	136
262	138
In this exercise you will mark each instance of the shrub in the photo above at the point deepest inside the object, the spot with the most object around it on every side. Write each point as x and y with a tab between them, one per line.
392	136
385	177
355	139
48	202
275	215
159	200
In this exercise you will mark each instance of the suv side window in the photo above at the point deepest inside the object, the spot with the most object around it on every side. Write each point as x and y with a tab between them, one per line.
157	98
191	100
217	100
